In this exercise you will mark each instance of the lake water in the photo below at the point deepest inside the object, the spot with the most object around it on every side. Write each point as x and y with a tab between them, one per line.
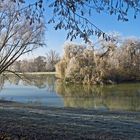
45	90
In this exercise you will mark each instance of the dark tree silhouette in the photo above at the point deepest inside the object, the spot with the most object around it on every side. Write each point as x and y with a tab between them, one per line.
72	15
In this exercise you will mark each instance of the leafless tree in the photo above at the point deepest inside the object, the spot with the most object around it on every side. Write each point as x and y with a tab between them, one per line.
39	64
52	57
20	32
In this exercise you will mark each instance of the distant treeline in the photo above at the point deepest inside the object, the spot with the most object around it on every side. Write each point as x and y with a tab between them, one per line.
112	63
38	64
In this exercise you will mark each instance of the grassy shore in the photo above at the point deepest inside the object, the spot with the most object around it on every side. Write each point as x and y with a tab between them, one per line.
33	73
21	122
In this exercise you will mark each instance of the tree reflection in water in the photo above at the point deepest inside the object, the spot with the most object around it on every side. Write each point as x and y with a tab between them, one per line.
36	80
1	82
112	97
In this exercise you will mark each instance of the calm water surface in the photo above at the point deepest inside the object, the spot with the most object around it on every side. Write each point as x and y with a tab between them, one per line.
45	90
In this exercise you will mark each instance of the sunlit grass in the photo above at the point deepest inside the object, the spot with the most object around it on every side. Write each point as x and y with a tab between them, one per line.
34	73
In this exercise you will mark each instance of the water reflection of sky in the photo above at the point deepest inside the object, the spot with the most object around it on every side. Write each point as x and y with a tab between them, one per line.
45	91
30	94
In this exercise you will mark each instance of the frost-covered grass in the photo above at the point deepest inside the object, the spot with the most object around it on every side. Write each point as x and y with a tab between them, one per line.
27	122
34	73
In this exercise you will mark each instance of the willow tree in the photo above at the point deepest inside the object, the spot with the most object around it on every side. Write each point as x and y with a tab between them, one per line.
76	16
21	31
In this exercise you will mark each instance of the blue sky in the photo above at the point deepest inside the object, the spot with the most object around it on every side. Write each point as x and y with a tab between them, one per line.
108	23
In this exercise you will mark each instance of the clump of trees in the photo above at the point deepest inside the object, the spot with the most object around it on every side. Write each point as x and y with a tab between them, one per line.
114	63
38	64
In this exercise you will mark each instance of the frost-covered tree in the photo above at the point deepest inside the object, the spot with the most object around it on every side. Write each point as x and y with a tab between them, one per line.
20	32
113	64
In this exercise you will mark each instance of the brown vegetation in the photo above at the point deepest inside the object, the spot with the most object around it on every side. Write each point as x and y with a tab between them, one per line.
115	63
